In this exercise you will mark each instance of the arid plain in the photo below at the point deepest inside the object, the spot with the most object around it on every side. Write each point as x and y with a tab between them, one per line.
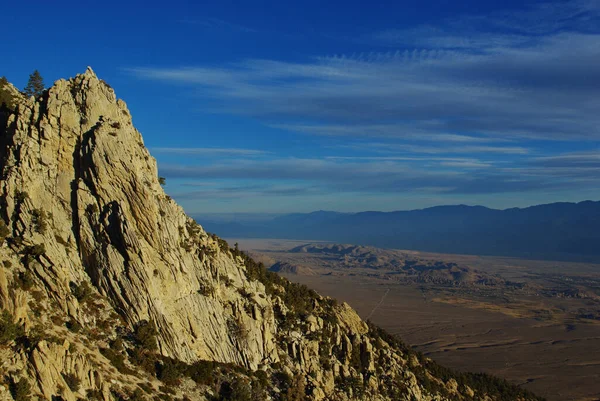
535	323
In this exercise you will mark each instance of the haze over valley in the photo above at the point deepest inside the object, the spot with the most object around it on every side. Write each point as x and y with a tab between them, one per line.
559	231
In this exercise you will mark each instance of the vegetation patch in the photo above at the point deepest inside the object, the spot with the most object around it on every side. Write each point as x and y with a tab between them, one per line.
9	330
74	326
117	359
72	381
206	289
35	85
39	220
237	329
24	280
32	252
82	292
7	100
4	231
20	390
144	335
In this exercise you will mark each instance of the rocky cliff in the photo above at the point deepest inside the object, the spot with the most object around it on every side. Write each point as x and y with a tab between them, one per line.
110	292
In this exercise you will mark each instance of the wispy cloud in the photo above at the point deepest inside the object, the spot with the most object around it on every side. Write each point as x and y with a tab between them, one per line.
571	160
499	29
425	132
507	150
465	164
389	175
245	192
434	149
476	105
210	151
442	161
401	158
546	90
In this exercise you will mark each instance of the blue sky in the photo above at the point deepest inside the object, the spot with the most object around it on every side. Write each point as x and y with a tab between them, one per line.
299	106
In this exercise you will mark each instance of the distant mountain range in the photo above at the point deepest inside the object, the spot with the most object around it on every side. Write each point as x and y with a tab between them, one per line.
562	231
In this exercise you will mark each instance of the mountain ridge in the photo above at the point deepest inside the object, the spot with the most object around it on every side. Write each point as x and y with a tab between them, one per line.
109	291
564	227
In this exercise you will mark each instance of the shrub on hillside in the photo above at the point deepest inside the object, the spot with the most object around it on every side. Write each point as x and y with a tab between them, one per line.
4	231
237	329
9	330
38	218
169	372
24	280
20	390
206	289
116	359
235	390
7	100
32	253
144	335
72	381
81	291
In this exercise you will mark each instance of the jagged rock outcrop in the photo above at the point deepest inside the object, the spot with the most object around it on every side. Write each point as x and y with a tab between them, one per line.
82	165
100	266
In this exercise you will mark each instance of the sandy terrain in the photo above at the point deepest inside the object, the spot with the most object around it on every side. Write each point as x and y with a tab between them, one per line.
543	333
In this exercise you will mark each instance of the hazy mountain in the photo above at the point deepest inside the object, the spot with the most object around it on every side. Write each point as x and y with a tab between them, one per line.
557	230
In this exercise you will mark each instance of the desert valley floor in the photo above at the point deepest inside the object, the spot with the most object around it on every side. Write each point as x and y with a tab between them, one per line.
535	323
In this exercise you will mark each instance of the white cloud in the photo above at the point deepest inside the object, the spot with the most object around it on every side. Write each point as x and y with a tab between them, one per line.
546	90
210	151
372	175
480	104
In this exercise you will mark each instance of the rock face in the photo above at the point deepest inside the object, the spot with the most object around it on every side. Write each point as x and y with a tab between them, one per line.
94	252
83	165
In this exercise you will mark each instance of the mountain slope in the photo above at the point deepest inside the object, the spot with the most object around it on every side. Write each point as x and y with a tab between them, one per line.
109	291
559	230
